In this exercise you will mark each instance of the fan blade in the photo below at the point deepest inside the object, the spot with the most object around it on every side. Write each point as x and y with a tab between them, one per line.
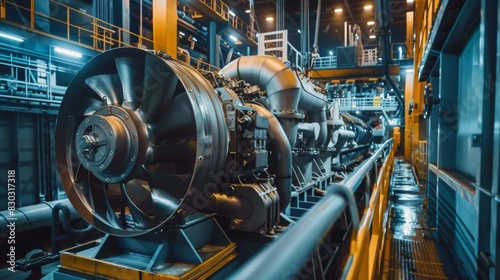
131	72
108	87
177	121
175	184
89	104
164	203
160	84
185	151
100	197
140	204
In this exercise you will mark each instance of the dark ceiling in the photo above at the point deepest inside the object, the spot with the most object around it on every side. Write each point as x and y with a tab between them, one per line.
331	29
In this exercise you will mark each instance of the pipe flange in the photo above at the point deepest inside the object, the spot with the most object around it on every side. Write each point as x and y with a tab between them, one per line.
289	114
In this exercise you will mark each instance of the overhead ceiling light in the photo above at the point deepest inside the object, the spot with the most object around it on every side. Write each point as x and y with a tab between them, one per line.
338	10
181	33
269	18
11	37
232	13
247	11
370	23
330	52
410	1
368	7
372	37
298	30
194	39
233	38
68	52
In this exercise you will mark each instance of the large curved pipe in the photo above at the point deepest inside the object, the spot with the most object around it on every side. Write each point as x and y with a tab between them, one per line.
283	156
281	84
315	105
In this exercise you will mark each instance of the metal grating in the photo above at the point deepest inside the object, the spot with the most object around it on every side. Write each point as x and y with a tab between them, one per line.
410	250
414	260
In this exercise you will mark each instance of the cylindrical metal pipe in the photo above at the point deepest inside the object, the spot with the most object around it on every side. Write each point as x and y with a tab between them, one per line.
283	156
33	217
315	105
281	84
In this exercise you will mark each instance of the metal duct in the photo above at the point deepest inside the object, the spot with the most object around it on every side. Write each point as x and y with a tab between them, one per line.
286	93
315	105
281	84
283	154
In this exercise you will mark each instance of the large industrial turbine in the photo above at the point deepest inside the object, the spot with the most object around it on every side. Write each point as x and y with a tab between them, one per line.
136	136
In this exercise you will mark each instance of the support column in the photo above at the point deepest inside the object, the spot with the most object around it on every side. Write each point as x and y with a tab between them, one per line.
280	15
121	17
165	26
304	31
212	43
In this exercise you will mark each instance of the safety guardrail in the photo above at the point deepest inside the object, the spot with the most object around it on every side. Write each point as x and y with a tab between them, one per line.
245	29
374	103
219	7
276	43
296	244
370	58
75	26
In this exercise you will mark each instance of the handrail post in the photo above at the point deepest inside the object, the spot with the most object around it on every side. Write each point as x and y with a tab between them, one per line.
32	15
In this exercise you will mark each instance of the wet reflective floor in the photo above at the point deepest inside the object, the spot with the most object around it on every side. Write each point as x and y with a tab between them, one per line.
410	248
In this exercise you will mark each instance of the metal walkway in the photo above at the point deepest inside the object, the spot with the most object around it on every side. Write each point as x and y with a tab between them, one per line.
410	248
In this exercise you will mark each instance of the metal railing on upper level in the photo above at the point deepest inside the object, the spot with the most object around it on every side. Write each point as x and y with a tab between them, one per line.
285	256
245	29
276	44
370	57
197	63
219	7
67	23
400	51
375	103
31	80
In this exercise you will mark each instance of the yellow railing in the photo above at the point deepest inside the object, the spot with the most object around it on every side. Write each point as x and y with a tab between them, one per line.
421	159
73	25
367	243
218	7
245	29
89	32
221	9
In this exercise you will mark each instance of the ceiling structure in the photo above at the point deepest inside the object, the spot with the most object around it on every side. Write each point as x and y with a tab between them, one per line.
331	27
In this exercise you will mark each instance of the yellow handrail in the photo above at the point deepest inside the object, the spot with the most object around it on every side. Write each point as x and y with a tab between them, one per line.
365	249
98	35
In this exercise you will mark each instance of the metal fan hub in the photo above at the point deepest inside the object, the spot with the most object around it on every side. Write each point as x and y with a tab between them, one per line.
105	144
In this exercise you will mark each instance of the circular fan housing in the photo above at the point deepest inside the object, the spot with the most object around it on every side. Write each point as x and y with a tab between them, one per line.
136	137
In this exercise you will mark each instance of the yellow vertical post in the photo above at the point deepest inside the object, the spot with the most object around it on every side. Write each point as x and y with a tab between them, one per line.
2	9
32	15
408	117
165	26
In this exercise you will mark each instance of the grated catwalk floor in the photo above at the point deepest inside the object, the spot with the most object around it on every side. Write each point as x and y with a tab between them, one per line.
410	248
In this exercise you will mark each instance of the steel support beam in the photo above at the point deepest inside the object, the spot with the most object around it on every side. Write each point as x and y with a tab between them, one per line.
165	26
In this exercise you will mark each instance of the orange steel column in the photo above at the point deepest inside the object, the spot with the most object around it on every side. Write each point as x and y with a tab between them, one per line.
165	26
